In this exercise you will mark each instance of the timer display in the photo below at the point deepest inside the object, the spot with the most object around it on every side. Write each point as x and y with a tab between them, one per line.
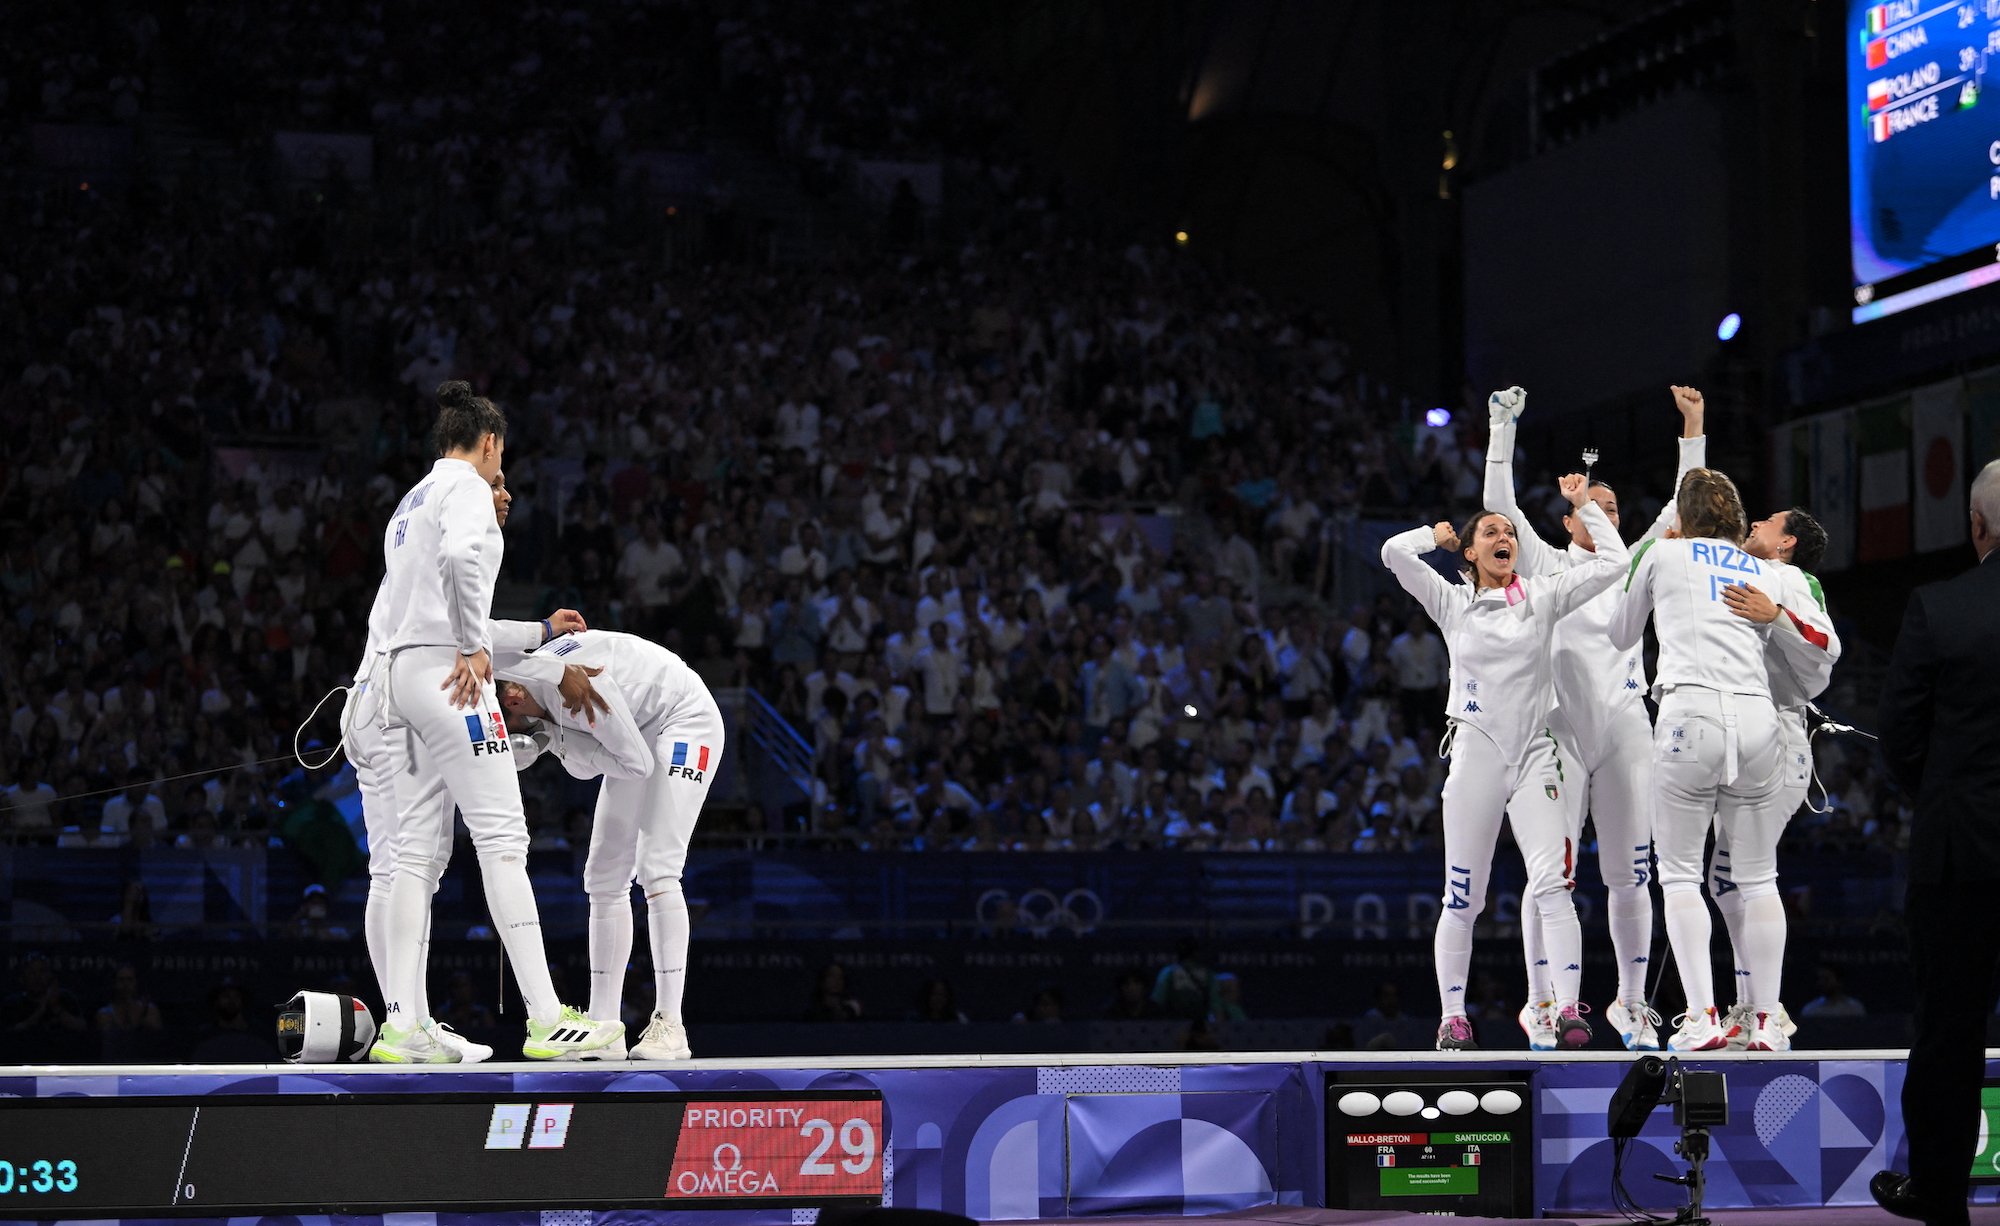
37	1175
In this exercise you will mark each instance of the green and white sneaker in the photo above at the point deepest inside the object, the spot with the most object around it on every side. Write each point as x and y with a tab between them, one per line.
663	1040
468	1051
419	1044
570	1034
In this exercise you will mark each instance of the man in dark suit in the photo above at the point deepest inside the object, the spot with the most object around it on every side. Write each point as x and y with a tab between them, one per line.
1941	737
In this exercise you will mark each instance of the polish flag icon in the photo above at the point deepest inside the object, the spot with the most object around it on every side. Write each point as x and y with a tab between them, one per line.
1878	94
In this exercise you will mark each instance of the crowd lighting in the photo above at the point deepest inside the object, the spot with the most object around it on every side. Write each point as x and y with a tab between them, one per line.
1181	237
1438	419
1731	324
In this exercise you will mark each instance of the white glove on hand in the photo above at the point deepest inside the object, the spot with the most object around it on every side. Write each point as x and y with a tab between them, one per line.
527	746
1505	408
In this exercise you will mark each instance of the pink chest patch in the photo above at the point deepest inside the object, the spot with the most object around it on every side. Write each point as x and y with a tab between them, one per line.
1516	592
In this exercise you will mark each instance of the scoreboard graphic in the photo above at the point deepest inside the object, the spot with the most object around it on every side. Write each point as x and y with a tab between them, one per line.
1430	1142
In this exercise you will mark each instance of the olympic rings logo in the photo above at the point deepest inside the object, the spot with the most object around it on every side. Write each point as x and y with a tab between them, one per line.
1041	911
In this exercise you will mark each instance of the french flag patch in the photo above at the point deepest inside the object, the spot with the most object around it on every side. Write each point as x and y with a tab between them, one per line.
681	755
1385	1159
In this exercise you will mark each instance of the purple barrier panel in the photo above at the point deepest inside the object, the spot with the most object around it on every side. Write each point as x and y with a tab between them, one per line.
1800	1133
1169	1153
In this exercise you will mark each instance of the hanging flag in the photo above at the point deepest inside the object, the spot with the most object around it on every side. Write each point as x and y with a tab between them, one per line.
1982	409
1831	494
1937	452
1882	445
1791	463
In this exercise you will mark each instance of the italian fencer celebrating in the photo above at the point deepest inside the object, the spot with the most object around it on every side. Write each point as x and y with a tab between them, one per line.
1601	720
1504	761
442	727
1715	743
365	748
1799	654
658	748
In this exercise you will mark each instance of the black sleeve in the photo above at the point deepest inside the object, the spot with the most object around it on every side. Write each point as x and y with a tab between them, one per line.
1909	691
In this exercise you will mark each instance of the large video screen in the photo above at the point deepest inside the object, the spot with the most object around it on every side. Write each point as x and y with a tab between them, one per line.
1923	147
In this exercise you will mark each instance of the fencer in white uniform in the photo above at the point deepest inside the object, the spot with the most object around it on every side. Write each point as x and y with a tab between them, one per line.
658	749
1504	761
1715	742
363	744
441	725
1799	656
1601	720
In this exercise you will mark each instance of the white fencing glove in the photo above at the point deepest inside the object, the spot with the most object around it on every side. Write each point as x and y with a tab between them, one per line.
1505	408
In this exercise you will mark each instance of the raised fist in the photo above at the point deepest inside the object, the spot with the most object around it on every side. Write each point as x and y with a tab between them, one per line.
1504	408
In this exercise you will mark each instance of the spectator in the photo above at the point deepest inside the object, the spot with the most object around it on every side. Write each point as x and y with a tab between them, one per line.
1185	987
1833	1000
830	999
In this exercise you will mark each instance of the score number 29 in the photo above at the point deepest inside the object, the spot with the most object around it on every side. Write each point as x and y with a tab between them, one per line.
857	1141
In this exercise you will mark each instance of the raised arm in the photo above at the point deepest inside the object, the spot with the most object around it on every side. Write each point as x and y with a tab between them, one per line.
1503	413
1693	455
1607	563
1404	553
1628	620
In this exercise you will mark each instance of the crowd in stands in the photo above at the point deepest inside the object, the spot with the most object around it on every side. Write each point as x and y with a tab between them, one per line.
1031	532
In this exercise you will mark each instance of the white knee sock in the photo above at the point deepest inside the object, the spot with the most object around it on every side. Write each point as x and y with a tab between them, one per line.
1730	903
420	997
375	928
1535	953
610	952
406	915
1452	953
1631	913
1562	940
1688	934
510	900
1762	953
667	928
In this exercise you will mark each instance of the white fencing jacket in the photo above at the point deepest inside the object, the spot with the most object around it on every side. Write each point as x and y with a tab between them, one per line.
1502	682
1594	682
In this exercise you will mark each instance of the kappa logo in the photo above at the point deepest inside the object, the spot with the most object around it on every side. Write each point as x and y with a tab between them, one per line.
680	767
563	648
1631	683
1472	708
488	733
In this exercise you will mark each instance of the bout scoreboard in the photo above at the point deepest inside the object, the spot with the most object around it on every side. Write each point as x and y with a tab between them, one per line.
1429	1142
229	1155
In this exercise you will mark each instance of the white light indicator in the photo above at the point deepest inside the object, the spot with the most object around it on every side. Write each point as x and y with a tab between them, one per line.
1731	324
551	1126
1189	711
509	1125
1438	419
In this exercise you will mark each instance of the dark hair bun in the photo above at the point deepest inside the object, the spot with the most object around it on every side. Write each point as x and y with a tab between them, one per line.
454	394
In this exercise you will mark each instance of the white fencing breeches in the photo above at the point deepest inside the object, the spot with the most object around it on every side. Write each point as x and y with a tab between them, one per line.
1481	788
1611	780
1743	872
641	833
432	744
1715	761
375	780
